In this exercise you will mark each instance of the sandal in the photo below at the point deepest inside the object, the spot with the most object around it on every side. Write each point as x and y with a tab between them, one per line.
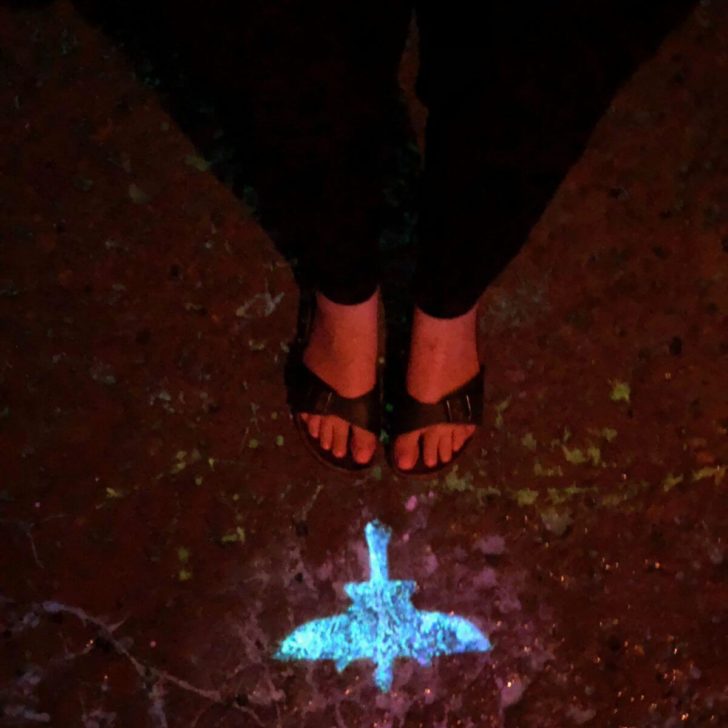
463	405
313	396
309	394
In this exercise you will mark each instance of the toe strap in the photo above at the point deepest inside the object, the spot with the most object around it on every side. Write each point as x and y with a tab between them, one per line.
313	395
461	406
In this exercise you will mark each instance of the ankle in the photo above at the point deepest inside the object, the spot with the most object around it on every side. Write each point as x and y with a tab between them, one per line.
439	332
342	347
443	354
347	325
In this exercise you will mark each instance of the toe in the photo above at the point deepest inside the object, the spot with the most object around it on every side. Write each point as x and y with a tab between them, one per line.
459	436
430	446
341	437
363	444
444	448
314	425
406	450
326	433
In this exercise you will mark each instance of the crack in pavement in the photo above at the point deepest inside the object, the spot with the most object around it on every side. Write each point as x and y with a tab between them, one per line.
153	679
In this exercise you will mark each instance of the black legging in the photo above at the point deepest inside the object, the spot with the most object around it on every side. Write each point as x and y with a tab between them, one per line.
512	91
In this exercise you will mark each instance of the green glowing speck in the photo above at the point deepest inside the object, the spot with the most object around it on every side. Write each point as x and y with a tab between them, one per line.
500	408
671	481
236	536
546	472
529	441
525	496
184	575
609	433
455	483
561	495
595	454
575	456
711	471
620	391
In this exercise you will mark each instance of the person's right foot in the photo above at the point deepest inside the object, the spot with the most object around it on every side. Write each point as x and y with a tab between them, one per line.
342	350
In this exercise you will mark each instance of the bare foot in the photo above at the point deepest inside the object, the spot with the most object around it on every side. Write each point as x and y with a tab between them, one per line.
342	350
443	356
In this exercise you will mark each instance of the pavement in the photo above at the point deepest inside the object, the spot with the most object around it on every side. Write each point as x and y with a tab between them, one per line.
163	529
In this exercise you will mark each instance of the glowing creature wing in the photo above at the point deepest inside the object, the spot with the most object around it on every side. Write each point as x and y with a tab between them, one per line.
321	639
445	634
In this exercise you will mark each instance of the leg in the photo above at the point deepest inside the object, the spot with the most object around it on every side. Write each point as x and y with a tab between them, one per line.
342	350
512	98
320	77
323	86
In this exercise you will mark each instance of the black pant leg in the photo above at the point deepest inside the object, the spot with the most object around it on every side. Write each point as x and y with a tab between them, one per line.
321	76
513	92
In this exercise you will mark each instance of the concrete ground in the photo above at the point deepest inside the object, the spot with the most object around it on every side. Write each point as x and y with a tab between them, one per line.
162	526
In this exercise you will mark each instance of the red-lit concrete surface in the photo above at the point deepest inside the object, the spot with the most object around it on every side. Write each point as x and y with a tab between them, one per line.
163	527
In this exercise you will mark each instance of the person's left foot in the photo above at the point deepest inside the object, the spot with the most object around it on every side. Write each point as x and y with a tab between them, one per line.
443	356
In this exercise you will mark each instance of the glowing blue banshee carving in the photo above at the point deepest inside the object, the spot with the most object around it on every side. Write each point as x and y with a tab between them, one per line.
382	624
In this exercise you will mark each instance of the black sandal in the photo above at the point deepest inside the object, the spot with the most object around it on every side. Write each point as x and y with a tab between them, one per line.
309	394
463	405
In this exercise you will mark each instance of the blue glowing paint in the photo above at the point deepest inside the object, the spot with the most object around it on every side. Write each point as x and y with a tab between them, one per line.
382	624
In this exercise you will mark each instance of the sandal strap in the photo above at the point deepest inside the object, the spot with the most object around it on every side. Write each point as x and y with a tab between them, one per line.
315	396
461	406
